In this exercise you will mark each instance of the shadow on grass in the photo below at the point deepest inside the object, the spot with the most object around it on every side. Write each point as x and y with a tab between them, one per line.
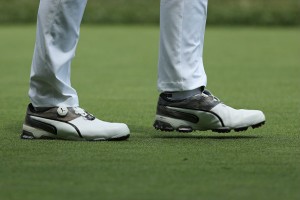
203	137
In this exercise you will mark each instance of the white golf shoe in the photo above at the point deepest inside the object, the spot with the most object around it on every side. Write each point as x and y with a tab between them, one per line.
203	112
69	123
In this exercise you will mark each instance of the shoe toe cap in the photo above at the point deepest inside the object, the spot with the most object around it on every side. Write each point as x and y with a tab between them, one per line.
100	130
250	118
233	118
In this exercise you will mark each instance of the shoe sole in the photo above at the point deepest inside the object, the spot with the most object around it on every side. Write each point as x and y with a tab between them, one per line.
167	127
36	134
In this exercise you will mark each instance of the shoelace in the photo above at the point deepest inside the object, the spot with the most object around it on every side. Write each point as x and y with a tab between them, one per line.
209	94
83	113
80	111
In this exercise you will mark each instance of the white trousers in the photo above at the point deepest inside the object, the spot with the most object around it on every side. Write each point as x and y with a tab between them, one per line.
180	66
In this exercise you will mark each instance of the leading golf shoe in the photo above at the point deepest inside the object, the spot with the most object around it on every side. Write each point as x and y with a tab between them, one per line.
203	112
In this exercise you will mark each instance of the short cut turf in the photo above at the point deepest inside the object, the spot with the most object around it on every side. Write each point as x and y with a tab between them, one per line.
115	76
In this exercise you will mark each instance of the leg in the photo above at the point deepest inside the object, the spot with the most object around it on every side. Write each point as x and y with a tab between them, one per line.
57	36
54	112
182	27
184	105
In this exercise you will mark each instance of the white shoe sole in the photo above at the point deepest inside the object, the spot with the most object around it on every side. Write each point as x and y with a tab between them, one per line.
30	133
168	124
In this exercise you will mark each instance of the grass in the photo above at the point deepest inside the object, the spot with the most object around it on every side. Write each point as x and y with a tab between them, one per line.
115	75
220	12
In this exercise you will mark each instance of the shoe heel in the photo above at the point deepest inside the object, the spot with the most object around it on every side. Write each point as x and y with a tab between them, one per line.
164	126
26	135
29	132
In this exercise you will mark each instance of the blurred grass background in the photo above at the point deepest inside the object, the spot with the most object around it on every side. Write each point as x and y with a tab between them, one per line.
221	12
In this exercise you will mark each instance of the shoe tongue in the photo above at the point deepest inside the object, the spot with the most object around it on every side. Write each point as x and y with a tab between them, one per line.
83	113
207	92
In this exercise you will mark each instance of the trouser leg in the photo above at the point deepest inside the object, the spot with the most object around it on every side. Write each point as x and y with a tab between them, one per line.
182	27
56	40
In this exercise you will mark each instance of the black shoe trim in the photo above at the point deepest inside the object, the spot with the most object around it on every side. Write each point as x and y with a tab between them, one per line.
164	111
220	119
240	129
48	127
221	130
40	125
227	130
258	125
75	127
125	137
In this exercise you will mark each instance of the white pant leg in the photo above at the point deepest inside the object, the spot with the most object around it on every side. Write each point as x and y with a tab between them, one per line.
182	27
56	40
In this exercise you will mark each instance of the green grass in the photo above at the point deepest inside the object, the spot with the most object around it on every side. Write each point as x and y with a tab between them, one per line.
115	75
220	12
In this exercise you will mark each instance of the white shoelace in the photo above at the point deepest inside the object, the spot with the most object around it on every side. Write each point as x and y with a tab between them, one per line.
80	111
83	113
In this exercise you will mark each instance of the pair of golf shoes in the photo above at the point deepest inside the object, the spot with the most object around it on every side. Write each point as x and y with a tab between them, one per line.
200	112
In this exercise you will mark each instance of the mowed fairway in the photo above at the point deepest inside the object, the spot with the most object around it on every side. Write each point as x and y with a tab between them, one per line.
114	73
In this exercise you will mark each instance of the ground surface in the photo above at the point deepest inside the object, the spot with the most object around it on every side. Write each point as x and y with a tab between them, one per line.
115	75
